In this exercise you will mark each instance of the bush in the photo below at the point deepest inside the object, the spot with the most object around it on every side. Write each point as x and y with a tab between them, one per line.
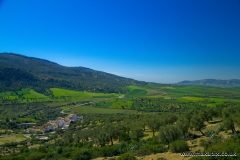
36	156
126	156
81	155
109	151
143	151
179	146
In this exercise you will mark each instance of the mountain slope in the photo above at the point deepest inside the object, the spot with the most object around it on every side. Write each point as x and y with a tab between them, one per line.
50	74
213	83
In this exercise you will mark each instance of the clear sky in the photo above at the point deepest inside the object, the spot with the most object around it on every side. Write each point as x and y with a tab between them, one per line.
163	41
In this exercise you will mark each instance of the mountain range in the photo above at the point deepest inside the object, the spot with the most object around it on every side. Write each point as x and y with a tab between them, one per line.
212	83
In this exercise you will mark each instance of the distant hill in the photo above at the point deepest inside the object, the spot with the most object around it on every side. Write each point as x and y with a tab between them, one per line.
18	71
213	83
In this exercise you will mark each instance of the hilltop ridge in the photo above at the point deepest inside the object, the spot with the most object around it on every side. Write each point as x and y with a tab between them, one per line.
48	74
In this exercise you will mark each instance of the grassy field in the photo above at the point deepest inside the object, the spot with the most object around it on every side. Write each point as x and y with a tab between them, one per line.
211	96
197	90
28	119
136	93
12	138
25	95
94	110
79	95
29	95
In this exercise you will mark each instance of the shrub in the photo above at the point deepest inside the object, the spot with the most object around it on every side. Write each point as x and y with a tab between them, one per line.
157	148
126	156
179	146
81	155
143	151
36	156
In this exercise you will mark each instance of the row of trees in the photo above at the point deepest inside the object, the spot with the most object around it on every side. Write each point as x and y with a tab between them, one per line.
152	105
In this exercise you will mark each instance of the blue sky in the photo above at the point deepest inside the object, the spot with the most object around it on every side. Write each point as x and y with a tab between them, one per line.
157	40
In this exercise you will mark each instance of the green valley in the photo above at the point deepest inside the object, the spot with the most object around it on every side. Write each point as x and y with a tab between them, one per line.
118	117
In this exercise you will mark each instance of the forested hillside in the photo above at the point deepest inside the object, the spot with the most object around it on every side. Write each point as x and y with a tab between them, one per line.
49	75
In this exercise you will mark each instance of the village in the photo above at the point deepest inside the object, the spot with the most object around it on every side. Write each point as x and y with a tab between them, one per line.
52	125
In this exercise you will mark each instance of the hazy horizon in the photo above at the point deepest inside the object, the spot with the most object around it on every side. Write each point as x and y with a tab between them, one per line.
154	41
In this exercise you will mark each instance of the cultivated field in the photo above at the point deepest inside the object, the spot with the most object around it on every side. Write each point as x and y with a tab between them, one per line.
12	138
93	110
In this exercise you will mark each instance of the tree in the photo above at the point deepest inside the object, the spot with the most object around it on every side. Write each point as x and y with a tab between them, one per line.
205	115
100	136
228	123
229	115
136	133
154	124
183	124
143	122
228	111
169	119
127	126
169	133
197	123
112	131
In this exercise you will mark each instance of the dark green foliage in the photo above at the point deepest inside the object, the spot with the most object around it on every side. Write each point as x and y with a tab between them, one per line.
169	133
12	79
169	119
100	136
230	116
179	146
207	113
136	133
183	124
150	146
42	74
81	154
143	151
126	156
154	123
36	156
228	123
124	137
112	131
197	123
